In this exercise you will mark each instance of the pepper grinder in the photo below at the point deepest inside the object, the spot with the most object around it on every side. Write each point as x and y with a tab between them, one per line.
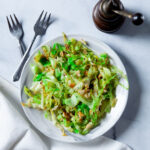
109	15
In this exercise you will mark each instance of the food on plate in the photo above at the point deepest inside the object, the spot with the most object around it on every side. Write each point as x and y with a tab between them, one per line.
74	87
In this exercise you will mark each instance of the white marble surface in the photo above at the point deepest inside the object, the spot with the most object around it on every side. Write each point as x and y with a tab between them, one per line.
74	16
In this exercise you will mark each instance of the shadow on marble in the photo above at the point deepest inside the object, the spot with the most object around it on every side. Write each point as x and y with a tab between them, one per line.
23	41
128	29
135	91
110	133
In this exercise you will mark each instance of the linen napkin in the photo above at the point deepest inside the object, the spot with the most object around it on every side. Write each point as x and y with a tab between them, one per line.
16	133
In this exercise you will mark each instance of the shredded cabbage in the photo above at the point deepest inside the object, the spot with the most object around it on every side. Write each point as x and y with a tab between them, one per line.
72	85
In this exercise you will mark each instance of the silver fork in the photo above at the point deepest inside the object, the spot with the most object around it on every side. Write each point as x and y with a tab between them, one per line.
39	28
17	31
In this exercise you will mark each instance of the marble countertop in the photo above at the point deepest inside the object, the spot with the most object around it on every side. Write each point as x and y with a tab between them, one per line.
131	43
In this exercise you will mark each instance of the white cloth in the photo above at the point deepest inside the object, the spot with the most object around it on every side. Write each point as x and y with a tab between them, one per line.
16	133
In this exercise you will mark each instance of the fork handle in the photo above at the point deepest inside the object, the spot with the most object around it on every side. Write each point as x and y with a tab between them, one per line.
22	47
17	74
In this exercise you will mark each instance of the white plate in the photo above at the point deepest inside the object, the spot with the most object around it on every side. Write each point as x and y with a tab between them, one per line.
45	126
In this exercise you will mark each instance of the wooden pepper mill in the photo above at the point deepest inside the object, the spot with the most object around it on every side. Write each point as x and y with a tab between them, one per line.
109	15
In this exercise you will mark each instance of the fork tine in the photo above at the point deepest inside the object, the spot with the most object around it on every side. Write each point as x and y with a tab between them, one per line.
48	19
12	20
9	25
44	17
16	20
40	17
